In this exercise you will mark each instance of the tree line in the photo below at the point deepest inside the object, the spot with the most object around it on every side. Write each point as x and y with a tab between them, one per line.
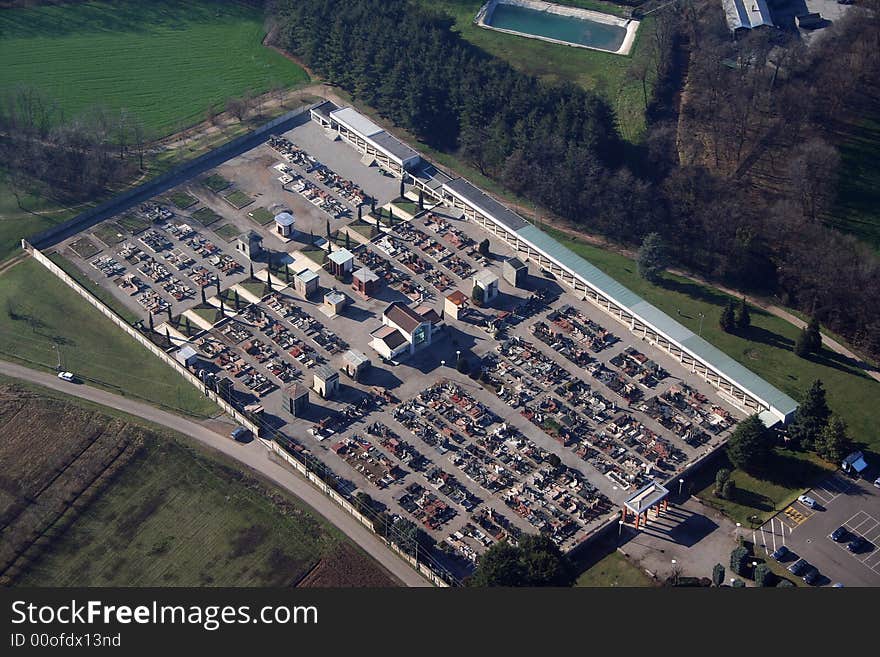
77	157
751	118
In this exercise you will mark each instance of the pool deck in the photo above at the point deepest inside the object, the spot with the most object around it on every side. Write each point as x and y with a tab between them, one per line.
630	24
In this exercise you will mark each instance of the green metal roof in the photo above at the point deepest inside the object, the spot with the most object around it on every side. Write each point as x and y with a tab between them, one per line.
659	321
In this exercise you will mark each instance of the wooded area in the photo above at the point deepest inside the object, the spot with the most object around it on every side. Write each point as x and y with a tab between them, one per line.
738	187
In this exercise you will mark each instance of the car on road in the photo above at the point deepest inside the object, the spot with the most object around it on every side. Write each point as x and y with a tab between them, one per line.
858	544
808	501
811	576
240	434
877	482
799	567
66	376
782	553
839	535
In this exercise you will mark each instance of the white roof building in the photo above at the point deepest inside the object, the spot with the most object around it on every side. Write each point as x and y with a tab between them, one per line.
746	14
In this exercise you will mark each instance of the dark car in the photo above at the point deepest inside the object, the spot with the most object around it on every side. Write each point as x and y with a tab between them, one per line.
781	553
799	567
812	575
858	544
839	535
240	434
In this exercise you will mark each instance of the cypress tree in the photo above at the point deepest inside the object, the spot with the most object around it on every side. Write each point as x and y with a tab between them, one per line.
813	336
728	318
743	317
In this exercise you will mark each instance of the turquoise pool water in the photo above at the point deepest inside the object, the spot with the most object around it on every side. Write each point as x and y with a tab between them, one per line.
580	31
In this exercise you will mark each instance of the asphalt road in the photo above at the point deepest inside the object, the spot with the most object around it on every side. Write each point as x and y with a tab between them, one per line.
253	455
843	502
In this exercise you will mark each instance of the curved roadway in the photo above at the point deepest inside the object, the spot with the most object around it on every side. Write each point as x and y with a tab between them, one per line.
252	454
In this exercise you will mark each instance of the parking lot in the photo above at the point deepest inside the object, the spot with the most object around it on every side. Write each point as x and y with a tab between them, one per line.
571	414
841	502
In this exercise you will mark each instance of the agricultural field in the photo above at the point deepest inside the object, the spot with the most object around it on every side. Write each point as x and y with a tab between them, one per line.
605	73
766	348
170	515
42	322
165	62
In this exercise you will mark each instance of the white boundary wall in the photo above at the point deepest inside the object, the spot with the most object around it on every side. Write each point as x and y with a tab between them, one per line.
168	359
630	25
347	506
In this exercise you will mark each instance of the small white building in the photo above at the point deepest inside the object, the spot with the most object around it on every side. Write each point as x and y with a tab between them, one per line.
341	262
334	302
305	282
326	381
187	355
488	283
284	222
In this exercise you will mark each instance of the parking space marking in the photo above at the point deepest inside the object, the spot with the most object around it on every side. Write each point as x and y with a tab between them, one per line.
795	516
865	525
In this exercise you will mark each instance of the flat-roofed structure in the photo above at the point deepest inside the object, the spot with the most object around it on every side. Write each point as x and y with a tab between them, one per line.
367	137
651	496
746	14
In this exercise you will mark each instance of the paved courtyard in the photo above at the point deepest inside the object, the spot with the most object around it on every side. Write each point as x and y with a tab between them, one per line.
571	415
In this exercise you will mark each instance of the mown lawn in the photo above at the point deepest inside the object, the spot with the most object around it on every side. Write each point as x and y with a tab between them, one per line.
759	497
613	570
605	73
176	518
40	318
166	62
766	348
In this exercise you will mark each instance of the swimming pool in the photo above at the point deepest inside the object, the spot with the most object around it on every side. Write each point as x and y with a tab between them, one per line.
559	24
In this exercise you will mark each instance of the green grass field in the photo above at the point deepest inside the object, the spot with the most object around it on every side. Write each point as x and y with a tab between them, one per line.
182	200
766	349
261	215
109	233
602	72
763	496
238	199
228	232
857	210
613	570
164	61
174	517
108	299
205	216
215	182
40	312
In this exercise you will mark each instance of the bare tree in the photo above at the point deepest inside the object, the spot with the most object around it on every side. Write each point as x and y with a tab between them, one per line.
237	107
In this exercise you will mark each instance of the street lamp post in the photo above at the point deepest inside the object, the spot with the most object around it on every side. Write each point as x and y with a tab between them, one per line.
738	526
701	324
680	484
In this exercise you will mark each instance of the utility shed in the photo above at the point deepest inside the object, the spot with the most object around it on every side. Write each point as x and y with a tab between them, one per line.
355	363
326	381
515	272
187	355
296	399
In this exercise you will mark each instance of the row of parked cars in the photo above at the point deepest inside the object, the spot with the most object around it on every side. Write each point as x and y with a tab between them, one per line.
804	569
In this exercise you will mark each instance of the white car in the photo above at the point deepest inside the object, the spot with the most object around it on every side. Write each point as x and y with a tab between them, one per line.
806	500
877	482
65	376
